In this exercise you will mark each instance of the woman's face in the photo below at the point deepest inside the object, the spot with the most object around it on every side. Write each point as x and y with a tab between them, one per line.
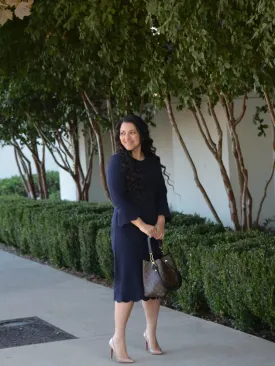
129	136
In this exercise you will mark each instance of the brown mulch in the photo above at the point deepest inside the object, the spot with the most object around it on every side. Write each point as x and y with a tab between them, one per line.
207	315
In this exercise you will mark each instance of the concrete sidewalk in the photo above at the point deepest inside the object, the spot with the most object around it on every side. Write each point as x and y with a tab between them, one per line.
85	310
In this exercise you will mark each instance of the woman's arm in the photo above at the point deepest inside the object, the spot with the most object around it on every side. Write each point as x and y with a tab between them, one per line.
127	212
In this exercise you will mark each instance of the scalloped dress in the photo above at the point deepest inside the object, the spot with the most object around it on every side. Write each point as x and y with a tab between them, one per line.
129	244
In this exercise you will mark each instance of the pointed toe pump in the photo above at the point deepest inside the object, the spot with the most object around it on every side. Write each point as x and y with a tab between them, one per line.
114	354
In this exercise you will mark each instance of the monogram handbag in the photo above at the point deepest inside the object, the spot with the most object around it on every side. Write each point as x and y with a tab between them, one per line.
160	275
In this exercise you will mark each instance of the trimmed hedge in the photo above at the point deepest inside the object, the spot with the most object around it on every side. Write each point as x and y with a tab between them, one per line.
62	232
239	280
232	274
104	253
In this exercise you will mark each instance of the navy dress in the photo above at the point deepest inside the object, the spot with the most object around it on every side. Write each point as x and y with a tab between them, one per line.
129	244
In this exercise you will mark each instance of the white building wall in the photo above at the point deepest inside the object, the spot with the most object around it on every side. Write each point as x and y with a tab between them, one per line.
8	166
191	199
67	186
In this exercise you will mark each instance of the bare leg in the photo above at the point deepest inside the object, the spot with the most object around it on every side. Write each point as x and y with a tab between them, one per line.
122	314
151	310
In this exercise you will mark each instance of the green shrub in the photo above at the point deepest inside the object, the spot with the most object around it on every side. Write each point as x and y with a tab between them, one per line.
90	262
192	247
104	252
52	181
15	186
239	280
12	186
185	248
54	196
180	219
62	232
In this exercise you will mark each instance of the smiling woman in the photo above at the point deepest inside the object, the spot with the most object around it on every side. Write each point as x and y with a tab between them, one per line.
130	139
139	196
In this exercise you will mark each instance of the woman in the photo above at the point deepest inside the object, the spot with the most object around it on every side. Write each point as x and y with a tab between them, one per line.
139	196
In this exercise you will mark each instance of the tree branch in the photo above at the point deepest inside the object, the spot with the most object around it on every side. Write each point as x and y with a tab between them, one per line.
238	120
20	170
91	103
67	151
224	174
218	128
112	129
269	105
64	159
202	119
96	129
265	194
172	120
223	103
206	140
43	153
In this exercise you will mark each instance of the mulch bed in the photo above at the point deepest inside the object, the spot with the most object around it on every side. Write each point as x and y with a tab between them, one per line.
27	331
262	333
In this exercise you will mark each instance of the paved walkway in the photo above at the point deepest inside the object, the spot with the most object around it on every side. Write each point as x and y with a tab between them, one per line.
85	310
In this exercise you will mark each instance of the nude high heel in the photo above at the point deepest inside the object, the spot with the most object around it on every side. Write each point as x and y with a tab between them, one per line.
156	352
113	353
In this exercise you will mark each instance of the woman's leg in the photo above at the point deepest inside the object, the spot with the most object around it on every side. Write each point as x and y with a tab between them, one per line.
122	314
151	310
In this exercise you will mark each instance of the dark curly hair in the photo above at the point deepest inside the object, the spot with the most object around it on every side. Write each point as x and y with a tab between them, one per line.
134	181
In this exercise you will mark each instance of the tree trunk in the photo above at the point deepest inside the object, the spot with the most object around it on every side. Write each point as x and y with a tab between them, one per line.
25	183
112	139
245	197
78	171
25	169
39	178
172	120
88	178
40	168
78	188
43	174
65	159
112	129
216	150
265	194
96	128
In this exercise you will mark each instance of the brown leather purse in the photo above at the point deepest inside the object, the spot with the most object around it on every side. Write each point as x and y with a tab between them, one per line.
160	275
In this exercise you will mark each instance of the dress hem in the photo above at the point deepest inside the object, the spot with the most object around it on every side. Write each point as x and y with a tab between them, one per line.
136	300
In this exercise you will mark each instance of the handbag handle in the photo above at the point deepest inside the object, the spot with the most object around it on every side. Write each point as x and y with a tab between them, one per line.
151	251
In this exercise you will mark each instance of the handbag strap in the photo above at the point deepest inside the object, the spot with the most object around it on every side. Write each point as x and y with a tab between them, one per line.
151	251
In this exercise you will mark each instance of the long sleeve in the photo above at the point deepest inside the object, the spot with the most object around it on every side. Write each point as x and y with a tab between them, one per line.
127	212
162	203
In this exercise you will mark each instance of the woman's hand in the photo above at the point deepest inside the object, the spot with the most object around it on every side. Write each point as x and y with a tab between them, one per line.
160	231
149	230
160	227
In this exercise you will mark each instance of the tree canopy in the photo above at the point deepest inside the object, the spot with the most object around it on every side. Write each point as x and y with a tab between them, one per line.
95	60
